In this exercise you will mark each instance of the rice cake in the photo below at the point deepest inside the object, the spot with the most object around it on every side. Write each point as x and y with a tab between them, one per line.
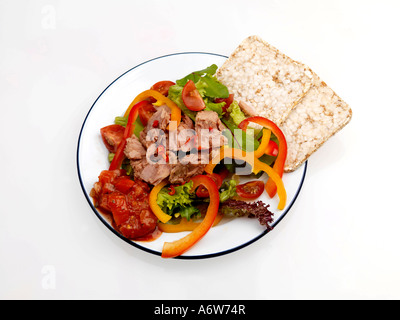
316	118
259	74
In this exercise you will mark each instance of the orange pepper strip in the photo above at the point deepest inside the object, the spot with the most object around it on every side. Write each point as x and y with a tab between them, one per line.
161	215
184	225
176	113
279	165
179	247
257	166
264	144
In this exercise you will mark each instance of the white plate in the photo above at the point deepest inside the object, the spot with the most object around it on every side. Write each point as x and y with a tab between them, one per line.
231	234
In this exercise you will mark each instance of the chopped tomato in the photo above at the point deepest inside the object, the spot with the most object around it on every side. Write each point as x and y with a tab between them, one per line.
202	191
127	201
163	87
119	207
228	101
192	98
146	112
123	184
107	176
251	190
112	136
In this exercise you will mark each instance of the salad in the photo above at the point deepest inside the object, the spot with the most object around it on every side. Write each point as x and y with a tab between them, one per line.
176	157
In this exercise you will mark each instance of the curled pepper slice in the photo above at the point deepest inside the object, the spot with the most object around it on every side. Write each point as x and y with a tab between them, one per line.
279	165
161	215
129	129
256	165
264	144
176	113
177	248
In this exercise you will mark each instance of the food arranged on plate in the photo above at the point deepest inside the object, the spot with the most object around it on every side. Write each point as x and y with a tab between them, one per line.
178	154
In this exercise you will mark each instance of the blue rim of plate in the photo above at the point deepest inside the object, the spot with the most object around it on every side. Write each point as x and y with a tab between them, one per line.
200	257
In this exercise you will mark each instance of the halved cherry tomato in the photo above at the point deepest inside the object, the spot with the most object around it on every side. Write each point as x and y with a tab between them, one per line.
163	87
112	136
251	190
202	191
192	98
228	101
146	112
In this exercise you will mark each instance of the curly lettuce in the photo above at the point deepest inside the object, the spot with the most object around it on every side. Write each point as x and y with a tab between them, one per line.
228	191
180	203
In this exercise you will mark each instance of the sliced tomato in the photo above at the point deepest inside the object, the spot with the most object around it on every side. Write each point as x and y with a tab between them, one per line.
202	191
112	136
251	190
228	101
163	87
192	98
146	112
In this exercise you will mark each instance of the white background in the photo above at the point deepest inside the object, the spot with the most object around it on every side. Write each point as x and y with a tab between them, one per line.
340	240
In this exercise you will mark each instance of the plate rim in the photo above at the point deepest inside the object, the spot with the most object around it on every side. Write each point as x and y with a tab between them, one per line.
136	245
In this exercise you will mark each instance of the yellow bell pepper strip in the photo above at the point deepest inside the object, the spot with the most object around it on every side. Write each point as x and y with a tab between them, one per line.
179	247
129	130
279	165
256	165
176	113
184	225
264	144
161	215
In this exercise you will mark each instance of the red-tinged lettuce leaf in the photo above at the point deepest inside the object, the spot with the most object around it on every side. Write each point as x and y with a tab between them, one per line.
258	210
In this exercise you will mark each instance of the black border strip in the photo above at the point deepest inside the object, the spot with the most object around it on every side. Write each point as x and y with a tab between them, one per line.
208	256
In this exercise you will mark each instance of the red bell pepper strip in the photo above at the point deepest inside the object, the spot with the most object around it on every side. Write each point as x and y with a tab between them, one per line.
130	128
179	247
279	165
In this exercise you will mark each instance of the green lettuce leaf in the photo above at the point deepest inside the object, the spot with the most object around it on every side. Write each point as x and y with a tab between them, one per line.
216	107
123	121
237	138
209	86
180	202
236	113
228	191
196	75
190	213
